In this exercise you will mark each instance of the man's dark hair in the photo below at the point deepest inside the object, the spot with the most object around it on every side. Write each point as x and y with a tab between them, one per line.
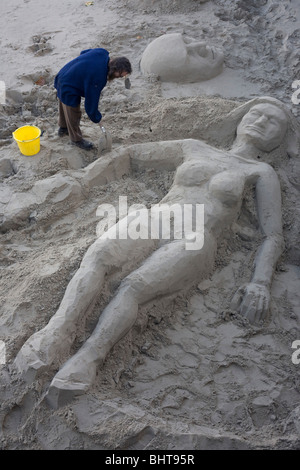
118	64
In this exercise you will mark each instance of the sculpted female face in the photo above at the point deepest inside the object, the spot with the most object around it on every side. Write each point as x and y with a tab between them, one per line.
264	126
179	58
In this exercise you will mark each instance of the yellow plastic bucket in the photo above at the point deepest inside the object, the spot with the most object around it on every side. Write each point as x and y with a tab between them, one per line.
28	139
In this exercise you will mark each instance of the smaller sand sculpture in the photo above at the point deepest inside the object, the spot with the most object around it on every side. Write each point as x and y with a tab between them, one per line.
179	58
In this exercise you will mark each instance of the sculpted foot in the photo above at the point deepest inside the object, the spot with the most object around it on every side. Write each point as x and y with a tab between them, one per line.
61	392
28	363
39	352
75	378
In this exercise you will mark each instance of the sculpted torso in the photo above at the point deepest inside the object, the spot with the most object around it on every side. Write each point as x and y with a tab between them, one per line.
214	178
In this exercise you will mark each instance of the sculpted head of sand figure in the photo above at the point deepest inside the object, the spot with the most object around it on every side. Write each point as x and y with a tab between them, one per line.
176	57
265	123
203	174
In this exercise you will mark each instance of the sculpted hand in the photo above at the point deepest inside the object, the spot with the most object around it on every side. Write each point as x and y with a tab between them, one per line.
252	301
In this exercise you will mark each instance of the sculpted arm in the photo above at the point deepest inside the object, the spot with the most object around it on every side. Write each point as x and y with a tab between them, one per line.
165	155
68	190
253	299
120	162
269	214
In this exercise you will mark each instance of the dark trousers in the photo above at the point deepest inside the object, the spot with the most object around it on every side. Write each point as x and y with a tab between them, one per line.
69	118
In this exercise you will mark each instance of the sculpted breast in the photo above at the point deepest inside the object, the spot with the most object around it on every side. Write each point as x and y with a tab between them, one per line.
193	174
227	186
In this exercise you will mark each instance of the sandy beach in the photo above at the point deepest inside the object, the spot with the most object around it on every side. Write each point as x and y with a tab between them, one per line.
190	375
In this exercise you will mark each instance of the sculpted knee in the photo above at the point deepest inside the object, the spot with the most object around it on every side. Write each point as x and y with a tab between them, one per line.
133	286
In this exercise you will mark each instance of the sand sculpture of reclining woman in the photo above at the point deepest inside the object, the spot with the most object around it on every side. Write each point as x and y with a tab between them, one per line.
203	175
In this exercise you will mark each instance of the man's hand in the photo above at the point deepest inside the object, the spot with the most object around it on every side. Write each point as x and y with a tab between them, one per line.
252	301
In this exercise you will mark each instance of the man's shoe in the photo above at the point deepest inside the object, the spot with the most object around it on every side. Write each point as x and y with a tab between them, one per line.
62	131
84	144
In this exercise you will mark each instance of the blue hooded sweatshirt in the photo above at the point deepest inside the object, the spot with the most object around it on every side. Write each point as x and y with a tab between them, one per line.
85	76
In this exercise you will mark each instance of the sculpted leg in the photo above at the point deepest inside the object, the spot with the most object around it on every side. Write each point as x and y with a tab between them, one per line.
168	270
56	338
77	374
